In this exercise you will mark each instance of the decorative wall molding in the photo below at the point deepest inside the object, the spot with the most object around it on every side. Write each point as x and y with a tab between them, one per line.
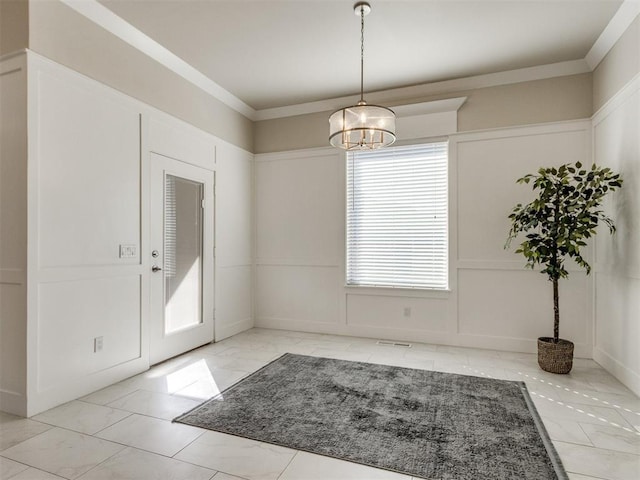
625	15
618	370
102	16
618	99
540	72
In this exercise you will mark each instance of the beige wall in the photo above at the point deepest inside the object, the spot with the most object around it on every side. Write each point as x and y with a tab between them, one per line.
14	25
60	34
526	103
620	65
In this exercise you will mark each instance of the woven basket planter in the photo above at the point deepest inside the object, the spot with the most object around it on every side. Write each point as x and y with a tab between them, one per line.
555	357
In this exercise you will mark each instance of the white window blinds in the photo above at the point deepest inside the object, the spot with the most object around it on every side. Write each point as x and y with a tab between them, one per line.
397	217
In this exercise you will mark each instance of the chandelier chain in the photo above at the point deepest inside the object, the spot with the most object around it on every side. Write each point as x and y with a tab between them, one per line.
362	53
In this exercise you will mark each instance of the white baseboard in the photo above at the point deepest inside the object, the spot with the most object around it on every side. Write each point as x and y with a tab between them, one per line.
79	387
226	331
422	336
352	330
623	373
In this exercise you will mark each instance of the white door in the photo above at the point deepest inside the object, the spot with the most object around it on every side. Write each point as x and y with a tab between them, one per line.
182	273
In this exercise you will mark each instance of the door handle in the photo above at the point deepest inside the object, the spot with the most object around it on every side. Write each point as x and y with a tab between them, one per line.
155	268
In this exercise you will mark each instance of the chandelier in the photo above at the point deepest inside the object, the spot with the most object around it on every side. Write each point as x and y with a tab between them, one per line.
362	126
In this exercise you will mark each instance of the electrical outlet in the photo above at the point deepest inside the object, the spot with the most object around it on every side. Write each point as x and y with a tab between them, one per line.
407	311
128	251
98	343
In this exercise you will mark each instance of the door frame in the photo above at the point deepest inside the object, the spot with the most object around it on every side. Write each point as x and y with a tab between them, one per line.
205	332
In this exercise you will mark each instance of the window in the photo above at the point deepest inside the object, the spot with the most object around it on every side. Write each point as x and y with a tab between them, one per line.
397	232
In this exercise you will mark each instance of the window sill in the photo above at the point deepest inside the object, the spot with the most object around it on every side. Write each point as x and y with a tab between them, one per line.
397	291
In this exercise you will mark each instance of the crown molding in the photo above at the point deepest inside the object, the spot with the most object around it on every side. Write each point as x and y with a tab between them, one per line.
619	23
102	16
114	24
398	95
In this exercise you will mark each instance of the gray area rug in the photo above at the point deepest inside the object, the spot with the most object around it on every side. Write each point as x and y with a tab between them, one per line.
426	424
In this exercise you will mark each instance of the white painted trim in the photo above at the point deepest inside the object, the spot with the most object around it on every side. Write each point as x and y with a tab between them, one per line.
618	370
72	274
522	130
424	108
539	72
226	331
114	24
625	15
511	265
231	262
618	99
297	154
625	273
298	262
504	344
39	400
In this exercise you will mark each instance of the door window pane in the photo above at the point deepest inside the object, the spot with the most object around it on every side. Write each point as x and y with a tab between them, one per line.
182	253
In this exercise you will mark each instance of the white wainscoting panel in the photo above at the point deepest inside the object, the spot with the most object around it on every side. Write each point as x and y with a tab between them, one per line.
616	144
72	314
299	207
397	312
518	304
487	190
234	219
298	293
234	312
234	241
176	139
88	174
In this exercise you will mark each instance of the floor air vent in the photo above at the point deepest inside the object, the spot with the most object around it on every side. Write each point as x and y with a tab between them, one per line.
388	343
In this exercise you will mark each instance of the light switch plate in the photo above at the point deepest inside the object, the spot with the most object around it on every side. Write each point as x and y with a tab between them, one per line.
128	251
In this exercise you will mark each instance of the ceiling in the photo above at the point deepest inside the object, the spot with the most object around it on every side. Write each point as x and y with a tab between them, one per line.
278	53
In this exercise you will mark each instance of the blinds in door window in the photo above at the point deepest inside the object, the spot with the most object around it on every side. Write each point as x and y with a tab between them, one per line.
170	227
397	217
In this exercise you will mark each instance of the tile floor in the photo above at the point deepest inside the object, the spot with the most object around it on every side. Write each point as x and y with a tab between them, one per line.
124	431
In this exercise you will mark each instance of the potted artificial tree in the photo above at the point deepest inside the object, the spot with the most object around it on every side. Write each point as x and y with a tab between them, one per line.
557	222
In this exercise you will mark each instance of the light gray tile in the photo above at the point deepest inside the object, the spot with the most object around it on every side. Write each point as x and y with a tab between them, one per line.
341	354
597	462
82	417
62	452
308	466
566	431
225	476
35	474
9	468
14	430
110	394
613	438
152	434
154	404
577	476
237	456
132	464
554	409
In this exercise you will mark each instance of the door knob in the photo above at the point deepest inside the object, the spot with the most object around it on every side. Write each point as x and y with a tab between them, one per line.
155	268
